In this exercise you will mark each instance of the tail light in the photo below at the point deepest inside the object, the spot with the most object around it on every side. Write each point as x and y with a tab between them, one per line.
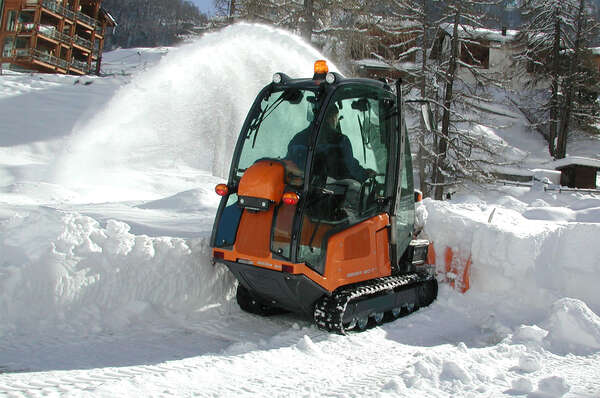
290	198
287	268
222	189
418	196
219	255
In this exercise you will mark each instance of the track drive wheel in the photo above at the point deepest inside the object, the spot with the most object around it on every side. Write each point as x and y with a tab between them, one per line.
362	323
378	318
253	305
427	292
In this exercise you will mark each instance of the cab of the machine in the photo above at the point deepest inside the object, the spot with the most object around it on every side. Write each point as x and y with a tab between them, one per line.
320	182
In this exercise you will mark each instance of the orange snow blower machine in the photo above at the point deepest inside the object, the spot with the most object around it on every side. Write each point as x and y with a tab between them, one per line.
317	216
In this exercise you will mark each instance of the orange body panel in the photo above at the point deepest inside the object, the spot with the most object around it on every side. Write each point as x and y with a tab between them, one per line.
357	254
282	233
264	180
254	233
353	256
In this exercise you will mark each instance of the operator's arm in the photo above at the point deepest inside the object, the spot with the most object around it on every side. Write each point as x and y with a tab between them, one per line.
295	159
357	172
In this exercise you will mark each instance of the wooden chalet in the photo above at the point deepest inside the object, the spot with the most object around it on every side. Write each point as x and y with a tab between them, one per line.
479	47
388	39
578	172
53	36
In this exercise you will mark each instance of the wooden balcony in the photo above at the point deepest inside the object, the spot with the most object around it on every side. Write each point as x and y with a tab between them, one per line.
80	38
82	44
48	61
60	11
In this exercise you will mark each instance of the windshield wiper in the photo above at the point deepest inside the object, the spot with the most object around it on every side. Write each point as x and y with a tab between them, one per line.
265	113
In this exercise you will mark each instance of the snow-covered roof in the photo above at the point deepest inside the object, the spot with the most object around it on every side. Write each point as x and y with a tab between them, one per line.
470	32
378	64
576	160
111	20
388	22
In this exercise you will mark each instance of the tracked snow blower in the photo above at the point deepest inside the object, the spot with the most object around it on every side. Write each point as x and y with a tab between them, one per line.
317	216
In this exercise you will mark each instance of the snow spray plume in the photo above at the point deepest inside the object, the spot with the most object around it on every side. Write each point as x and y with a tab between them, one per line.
182	117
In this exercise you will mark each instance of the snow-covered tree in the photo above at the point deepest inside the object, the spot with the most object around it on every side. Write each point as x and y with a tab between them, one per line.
149	23
410	29
306	17
448	73
557	34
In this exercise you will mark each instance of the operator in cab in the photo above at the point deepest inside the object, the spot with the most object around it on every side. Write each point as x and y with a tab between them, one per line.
334	157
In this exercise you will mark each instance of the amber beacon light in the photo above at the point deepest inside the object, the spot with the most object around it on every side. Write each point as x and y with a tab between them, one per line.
321	67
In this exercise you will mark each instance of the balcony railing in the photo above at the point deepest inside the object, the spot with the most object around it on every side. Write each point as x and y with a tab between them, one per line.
51	32
82	66
57	8
47	58
22	52
86	19
45	30
52	6
82	42
25	27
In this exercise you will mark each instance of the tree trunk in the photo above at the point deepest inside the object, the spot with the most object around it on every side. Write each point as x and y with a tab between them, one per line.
554	104
563	132
231	9
448	95
420	153
309	20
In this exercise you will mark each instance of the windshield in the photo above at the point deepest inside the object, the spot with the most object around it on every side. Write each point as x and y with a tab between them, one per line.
272	132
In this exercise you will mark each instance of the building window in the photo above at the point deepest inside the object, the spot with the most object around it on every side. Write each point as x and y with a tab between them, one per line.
11	21
26	21
9	44
22	42
476	54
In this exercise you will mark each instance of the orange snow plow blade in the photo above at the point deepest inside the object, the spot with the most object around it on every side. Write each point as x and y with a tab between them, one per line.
457	267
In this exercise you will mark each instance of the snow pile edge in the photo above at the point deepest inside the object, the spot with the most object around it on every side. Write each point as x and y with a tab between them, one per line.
63	269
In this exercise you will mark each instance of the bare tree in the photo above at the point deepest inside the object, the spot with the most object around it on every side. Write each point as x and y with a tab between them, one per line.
445	41
458	153
308	18
556	37
585	27
149	23
412	27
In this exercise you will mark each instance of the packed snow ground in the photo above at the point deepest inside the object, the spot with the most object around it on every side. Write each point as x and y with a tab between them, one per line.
106	288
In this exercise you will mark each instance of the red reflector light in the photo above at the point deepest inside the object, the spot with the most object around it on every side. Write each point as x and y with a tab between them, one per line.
287	268
219	255
321	67
222	189
290	198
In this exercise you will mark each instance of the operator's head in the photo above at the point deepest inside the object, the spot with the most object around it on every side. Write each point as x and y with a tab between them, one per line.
331	118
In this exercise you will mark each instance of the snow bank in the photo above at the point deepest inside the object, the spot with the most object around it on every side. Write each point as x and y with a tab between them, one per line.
529	262
573	327
66	270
